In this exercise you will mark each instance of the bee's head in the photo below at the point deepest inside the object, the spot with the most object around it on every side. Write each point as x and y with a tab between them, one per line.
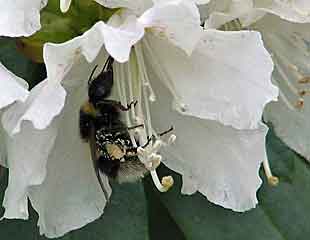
100	87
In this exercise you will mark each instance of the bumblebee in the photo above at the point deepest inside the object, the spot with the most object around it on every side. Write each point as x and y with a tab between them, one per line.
100	124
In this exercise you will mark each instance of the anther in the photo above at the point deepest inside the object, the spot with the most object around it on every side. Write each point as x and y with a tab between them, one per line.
304	80
273	181
304	92
300	103
165	184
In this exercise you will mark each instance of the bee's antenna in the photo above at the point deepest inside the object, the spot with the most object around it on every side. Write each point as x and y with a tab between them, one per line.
91	75
108	63
125	129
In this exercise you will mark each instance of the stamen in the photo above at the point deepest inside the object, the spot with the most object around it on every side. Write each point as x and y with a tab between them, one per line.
146	83
285	77
142	67
129	78
272	180
304	92
165	184
285	100
142	90
163	74
121	81
157	145
287	71
156	160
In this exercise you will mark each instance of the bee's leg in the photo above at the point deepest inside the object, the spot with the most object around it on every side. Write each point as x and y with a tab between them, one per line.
165	132
150	138
129	105
118	104
125	129
91	75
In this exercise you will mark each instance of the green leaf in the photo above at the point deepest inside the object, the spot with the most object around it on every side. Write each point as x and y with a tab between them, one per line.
161	224
125	217
16	62
282	213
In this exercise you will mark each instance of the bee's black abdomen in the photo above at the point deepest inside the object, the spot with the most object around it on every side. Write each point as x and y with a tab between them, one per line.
85	120
108	166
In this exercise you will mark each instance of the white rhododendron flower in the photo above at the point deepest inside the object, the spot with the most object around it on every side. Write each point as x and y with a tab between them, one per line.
249	11
290	50
20	17
14	89
212	86
284	26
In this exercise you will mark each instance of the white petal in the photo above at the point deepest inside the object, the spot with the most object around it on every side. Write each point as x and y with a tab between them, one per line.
219	80
294	10
53	168
182	29
137	6
249	11
221	12
117	41
198	2
70	197
13	88
18	18
43	104
47	99
290	49
201	1
3	148
27	154
65	5
220	162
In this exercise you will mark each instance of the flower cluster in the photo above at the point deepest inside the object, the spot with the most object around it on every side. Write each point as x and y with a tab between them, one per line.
211	83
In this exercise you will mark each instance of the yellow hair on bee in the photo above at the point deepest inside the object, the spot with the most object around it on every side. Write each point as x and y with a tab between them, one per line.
89	108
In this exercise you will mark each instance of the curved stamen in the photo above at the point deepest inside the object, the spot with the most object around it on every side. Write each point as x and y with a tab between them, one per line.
272	180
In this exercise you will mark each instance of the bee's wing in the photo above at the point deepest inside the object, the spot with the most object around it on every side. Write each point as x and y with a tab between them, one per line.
93	150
